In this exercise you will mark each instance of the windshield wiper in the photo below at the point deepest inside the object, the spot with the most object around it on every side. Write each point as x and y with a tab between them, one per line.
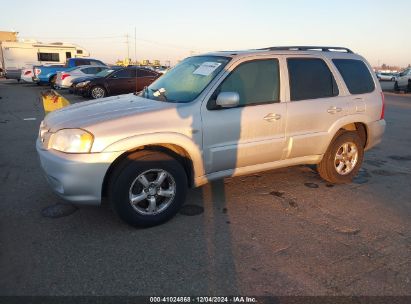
160	93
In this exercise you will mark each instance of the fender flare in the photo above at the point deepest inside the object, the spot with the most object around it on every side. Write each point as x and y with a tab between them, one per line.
159	139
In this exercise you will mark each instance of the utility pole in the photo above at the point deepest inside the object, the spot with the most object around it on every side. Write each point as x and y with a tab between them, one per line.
128	49
135	45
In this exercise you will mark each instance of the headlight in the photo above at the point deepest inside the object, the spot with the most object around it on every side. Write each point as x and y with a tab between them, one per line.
71	141
83	84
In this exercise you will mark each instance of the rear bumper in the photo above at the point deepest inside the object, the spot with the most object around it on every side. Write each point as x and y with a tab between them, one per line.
375	132
13	74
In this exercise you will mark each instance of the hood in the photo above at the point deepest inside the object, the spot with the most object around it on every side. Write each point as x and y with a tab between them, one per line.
89	113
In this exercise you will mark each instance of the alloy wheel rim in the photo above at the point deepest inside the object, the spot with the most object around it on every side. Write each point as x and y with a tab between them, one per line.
152	192
98	92
346	158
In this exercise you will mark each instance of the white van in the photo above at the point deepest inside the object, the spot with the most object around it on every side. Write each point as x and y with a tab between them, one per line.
14	56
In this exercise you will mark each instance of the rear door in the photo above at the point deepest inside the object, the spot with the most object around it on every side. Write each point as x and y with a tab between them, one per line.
361	86
315	102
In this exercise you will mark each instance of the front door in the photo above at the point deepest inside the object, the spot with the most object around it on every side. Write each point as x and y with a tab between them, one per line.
252	133
145	78
122	82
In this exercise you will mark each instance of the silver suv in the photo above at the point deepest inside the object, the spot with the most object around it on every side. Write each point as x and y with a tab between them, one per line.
212	116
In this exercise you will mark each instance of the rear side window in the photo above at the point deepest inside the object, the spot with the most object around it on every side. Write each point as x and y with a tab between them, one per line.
90	70
356	75
81	62
145	73
126	73
310	78
95	62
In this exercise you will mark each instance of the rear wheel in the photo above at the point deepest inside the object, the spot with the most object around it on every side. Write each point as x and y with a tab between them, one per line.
52	81
97	92
148	188
343	159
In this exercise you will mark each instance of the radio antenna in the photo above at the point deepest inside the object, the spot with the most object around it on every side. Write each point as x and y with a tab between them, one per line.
135	54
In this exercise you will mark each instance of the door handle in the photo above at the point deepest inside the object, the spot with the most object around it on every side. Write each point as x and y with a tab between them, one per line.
272	117
334	110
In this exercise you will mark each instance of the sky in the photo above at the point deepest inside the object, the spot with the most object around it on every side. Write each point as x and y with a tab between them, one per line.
175	29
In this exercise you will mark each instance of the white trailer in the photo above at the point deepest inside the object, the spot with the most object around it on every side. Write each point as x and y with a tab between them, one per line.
14	56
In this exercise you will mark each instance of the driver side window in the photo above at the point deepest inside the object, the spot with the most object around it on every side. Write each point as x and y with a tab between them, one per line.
257	82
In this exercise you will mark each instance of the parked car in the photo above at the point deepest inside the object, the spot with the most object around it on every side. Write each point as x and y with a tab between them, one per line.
115	82
48	74
213	116
65	79
27	73
386	76
161	69
403	81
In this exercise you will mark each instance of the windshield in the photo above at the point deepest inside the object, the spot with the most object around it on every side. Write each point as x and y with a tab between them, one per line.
104	73
186	80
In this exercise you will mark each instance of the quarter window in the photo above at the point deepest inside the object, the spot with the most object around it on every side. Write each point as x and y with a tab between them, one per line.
256	82
145	73
310	78
356	75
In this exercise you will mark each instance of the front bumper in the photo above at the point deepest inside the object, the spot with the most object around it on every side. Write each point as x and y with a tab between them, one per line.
375	131
77	178
83	91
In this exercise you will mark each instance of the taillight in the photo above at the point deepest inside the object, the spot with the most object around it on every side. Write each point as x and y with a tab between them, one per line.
37	71
64	75
27	73
383	106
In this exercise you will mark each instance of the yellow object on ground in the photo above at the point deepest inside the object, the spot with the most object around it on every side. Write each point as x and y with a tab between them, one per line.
53	101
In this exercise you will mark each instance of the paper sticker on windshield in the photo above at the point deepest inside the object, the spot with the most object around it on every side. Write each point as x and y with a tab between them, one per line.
206	68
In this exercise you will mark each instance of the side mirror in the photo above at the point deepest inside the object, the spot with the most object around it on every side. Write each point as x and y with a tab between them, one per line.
228	99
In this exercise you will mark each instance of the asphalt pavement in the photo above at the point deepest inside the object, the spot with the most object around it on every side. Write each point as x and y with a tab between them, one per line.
282	232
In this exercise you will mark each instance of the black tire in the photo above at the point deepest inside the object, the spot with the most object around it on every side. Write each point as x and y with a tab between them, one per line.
52	81
408	87
393	79
123	180
327	167
396	87
101	92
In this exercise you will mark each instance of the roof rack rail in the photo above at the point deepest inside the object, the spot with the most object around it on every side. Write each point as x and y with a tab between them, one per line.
308	48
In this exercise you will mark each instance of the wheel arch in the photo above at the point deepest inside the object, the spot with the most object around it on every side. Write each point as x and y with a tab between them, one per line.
173	150
360	128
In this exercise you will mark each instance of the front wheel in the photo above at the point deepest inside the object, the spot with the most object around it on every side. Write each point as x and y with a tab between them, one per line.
396	87
148	188
343	159
97	92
